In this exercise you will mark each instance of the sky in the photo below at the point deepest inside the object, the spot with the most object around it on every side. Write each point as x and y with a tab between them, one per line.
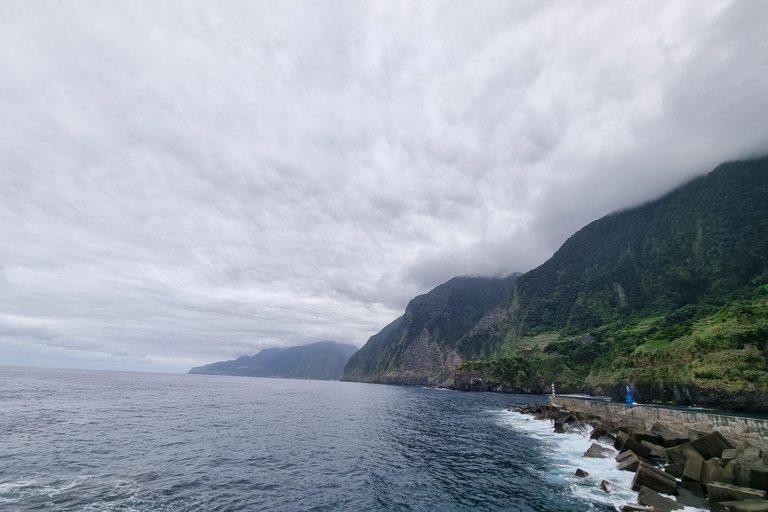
188	182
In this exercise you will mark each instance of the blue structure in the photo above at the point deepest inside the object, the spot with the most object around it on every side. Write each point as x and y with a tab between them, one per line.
630	397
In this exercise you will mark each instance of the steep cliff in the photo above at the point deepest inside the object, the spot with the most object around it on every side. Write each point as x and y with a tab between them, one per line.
420	347
670	297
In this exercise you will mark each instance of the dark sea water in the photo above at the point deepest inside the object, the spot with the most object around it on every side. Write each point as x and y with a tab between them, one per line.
116	441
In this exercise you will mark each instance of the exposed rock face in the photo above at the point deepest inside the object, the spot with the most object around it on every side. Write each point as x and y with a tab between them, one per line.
420	348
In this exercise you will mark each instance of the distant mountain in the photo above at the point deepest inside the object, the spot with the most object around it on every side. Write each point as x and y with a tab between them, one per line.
421	346
324	360
670	297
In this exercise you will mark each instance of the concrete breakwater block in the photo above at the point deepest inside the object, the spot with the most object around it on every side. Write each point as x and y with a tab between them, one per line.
595	451
668	437
712	445
728	492
653	478
741	506
651	498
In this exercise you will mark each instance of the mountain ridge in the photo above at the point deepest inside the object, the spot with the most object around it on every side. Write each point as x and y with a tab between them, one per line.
634	291
324	360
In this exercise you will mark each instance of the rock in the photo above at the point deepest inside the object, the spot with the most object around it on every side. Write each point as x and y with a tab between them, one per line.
741	506
729	472
691	499
559	428
597	433
711	445
728	454
605	485
653	499
668	437
718	491
581	473
597	452
653	478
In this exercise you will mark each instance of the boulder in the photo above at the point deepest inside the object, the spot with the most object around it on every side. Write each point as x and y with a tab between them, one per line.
597	432
711	445
597	452
581	473
651	498
728	454
653	478
559	429
605	485
718	491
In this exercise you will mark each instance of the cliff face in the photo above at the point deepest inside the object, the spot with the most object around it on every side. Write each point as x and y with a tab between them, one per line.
420	348
670	297
321	361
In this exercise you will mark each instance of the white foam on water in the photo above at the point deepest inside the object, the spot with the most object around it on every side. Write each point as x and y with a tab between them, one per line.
563	454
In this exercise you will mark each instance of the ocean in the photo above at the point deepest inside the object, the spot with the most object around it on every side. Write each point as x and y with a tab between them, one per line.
73	440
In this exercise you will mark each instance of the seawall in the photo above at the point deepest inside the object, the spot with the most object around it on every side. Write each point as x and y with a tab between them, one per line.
743	432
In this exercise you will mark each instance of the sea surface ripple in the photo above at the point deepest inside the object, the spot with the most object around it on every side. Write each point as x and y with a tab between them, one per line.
73	440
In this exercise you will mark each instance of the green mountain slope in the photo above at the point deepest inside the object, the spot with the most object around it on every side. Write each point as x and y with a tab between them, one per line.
669	297
324	360
417	347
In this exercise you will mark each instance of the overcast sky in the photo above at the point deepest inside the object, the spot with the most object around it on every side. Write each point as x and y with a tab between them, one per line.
187	182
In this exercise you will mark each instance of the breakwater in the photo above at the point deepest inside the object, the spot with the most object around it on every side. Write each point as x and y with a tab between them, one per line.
743	432
679	458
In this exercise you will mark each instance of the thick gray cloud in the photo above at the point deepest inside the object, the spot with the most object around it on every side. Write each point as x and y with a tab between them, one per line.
183	183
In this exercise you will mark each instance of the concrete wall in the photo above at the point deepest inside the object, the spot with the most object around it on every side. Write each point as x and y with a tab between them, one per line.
743	432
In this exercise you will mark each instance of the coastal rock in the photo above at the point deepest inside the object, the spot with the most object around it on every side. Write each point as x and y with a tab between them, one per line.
581	473
605	485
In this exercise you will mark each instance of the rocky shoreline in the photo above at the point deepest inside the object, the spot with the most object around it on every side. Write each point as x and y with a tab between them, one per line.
703	470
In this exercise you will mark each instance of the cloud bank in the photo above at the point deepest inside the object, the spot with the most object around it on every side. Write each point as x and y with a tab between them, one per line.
181	184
